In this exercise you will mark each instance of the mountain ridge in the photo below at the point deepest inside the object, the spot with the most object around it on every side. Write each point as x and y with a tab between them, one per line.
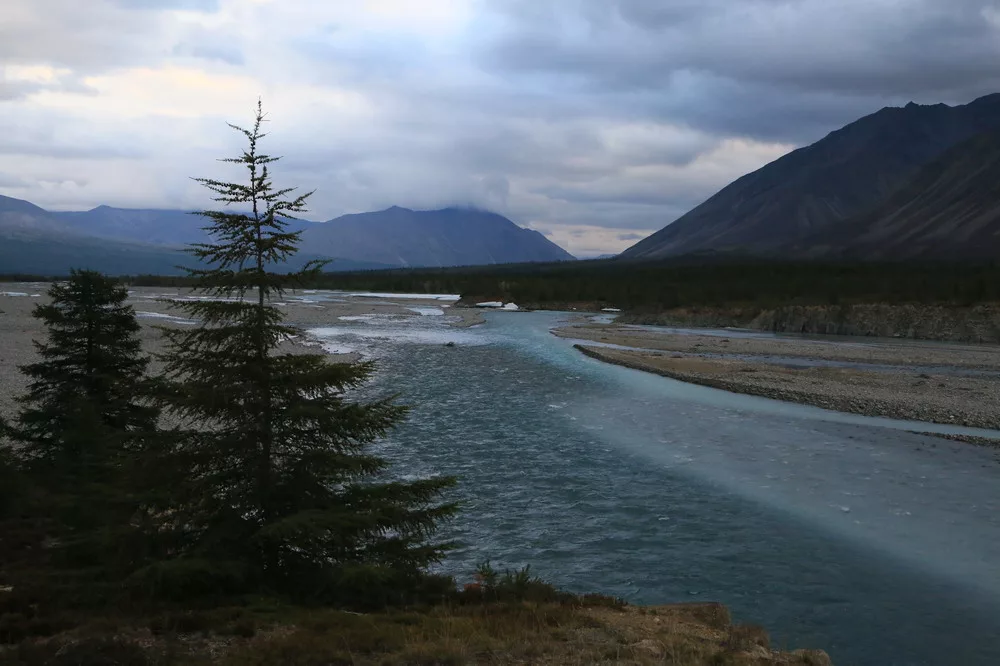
846	173
949	210
433	238
107	237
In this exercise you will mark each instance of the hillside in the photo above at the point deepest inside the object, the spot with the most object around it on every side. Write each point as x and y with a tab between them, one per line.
123	240
154	226
949	210
55	256
447	237
35	241
812	189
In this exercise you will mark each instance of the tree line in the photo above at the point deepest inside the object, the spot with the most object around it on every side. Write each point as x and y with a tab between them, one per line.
687	282
237	468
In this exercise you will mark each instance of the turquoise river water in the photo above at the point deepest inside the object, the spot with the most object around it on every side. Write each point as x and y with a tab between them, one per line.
833	531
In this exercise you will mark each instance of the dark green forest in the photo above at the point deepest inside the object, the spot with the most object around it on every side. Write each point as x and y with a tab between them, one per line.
646	287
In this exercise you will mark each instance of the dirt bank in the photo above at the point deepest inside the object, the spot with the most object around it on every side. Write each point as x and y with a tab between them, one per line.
974	323
919	397
901	353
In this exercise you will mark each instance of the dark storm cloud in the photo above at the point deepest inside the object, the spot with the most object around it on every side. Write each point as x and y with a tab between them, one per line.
592	121
771	68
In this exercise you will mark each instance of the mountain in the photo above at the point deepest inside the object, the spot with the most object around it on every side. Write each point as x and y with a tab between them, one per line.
447	237
153	226
22	219
130	241
55	256
35	241
812	189
113	240
949	210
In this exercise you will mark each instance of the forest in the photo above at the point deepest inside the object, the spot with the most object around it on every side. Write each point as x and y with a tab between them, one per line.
686	282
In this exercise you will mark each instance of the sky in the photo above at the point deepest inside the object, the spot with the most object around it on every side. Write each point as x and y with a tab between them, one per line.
595	122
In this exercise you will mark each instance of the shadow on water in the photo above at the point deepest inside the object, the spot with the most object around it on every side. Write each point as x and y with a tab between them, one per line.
875	544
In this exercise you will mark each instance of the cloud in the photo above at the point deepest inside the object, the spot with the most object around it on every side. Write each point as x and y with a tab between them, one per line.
853	46
223	44
192	5
595	122
10	182
591	240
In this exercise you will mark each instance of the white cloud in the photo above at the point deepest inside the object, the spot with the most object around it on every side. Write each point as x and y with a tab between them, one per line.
585	240
592	121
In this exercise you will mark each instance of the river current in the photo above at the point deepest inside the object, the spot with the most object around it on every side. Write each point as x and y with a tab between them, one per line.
833	531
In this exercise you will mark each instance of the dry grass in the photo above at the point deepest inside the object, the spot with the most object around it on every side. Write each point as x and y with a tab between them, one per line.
475	633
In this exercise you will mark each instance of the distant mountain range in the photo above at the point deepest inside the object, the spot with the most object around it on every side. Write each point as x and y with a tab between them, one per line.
913	182
132	241
916	181
448	237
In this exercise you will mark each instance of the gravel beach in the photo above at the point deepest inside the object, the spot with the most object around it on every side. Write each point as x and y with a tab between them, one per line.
157	307
853	350
955	392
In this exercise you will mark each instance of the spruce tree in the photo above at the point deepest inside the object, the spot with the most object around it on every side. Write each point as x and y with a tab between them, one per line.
277	489
83	426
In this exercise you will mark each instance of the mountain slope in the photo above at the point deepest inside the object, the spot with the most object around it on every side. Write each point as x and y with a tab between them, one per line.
55	256
120	240
112	240
803	193
447	237
21	219
949	210
156	226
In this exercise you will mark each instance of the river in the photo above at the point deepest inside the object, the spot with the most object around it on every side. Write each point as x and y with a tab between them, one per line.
833	531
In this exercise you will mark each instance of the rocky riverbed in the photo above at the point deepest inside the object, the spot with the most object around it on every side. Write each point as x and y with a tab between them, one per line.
160	307
951	384
946	322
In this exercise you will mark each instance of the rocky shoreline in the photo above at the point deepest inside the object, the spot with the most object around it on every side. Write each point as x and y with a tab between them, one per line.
158	307
944	384
899	353
765	382
942	322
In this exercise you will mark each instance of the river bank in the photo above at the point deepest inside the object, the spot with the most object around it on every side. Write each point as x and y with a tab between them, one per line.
555	633
949	384
158	307
955	323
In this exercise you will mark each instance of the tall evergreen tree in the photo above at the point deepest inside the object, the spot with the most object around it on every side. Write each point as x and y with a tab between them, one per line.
277	487
83	425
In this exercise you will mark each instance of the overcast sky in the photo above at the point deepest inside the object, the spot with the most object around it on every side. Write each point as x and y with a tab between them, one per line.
593	121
